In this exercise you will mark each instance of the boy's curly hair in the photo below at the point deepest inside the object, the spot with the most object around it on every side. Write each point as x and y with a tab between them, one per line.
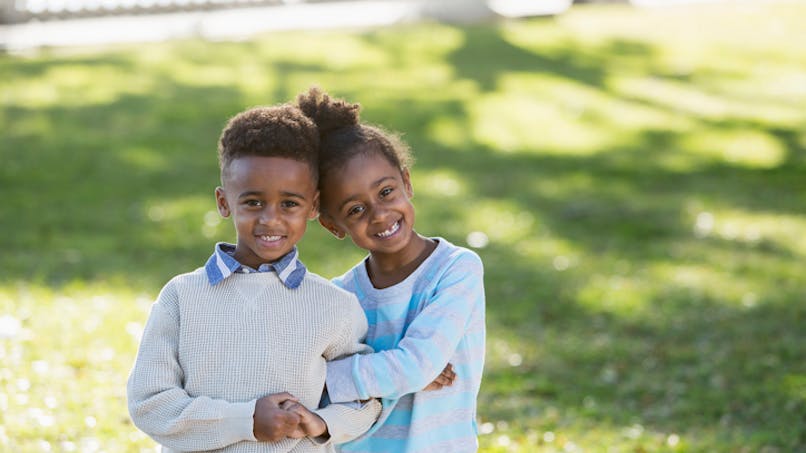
275	131
343	136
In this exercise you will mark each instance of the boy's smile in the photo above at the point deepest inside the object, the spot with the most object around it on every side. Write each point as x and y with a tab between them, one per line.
271	200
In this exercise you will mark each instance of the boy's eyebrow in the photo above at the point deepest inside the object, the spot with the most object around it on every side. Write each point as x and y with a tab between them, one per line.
256	193
373	184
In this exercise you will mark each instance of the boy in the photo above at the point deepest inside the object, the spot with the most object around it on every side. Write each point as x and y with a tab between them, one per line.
223	340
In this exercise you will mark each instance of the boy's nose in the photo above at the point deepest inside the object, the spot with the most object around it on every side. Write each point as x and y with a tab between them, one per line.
268	216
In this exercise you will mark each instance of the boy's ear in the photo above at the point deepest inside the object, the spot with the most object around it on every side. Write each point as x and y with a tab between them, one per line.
329	225
315	209
407	182
221	202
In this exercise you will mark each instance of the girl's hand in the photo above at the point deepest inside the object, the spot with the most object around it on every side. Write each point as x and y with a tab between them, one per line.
445	379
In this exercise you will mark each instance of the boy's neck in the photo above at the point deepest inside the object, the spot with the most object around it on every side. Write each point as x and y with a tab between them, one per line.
388	270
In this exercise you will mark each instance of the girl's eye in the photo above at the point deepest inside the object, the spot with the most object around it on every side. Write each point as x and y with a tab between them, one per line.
386	191
355	210
290	204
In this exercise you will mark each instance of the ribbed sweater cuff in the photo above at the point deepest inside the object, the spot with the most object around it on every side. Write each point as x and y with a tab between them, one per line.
340	382
346	423
238	422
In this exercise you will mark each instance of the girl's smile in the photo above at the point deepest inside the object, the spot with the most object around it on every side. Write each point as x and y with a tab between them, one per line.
369	199
390	231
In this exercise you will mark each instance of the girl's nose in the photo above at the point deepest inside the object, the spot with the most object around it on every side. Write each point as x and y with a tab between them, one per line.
379	214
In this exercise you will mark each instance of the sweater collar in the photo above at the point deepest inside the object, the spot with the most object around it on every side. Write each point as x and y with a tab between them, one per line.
222	264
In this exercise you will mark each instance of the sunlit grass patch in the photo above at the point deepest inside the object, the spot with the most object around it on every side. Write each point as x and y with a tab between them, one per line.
66	356
632	179
511	122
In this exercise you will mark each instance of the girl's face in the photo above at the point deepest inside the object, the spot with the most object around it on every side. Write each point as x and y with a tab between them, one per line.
369	200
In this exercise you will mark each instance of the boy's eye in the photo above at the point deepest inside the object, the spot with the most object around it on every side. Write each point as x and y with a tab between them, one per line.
386	191
290	204
253	203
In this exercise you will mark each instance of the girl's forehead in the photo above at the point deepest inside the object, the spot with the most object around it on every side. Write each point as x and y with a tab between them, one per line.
371	161
358	176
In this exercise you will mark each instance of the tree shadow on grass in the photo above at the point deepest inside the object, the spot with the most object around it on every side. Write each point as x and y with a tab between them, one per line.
721	378
485	55
714	368
107	191
121	191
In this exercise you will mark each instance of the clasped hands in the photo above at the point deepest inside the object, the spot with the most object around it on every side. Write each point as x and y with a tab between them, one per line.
281	415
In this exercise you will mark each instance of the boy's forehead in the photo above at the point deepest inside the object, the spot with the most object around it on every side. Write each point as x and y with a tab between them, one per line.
265	169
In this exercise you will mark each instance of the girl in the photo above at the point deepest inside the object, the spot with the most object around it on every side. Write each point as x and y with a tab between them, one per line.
423	296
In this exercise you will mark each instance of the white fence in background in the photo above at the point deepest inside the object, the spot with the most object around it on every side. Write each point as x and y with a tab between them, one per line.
15	11
19	11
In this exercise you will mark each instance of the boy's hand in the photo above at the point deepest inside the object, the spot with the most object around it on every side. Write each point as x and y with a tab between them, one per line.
310	424
271	422
445	379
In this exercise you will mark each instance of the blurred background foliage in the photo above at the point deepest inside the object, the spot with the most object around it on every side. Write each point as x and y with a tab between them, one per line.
632	178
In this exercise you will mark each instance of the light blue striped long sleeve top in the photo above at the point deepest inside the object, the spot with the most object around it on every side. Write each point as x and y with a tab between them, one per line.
432	318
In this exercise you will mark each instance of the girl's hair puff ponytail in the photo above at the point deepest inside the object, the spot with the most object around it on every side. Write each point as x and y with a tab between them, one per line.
343	136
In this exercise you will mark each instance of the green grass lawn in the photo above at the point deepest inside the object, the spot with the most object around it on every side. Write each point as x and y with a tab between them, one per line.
634	180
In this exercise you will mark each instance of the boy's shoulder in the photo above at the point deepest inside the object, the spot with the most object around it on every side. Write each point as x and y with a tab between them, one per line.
322	284
199	277
193	277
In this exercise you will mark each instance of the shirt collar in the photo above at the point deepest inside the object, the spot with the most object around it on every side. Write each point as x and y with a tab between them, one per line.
222	264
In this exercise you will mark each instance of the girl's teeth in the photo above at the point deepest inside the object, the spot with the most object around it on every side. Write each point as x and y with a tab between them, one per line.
390	231
270	238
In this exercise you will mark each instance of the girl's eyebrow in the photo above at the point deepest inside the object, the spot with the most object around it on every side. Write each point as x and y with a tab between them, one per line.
381	179
375	183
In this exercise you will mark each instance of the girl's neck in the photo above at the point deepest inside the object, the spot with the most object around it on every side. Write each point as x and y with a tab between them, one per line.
387	270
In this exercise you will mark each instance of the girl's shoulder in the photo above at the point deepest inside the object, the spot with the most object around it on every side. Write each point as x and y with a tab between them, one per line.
449	258
448	254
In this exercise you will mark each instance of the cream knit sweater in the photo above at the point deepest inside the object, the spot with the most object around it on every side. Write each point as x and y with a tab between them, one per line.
209	352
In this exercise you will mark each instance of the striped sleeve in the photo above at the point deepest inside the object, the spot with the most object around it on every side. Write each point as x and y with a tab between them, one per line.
430	340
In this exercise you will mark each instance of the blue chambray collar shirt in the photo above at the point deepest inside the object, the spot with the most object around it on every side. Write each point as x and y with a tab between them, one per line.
222	264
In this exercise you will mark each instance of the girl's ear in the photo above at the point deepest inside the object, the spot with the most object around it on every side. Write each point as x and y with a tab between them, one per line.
221	202
407	182
329	225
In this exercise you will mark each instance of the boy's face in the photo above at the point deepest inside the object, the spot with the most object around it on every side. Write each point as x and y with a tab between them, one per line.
369	200
271	200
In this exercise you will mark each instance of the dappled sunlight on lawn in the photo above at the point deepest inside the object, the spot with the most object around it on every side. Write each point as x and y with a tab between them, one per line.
632	179
66	356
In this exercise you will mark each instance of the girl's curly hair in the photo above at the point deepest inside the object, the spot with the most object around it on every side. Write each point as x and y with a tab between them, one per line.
343	136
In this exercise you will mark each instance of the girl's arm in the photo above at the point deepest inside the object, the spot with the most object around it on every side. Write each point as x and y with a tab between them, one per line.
429	342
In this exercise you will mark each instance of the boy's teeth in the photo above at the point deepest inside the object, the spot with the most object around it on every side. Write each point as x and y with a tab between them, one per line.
390	231
270	238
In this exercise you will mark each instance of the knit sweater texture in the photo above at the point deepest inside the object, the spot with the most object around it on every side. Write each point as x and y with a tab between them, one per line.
209	352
